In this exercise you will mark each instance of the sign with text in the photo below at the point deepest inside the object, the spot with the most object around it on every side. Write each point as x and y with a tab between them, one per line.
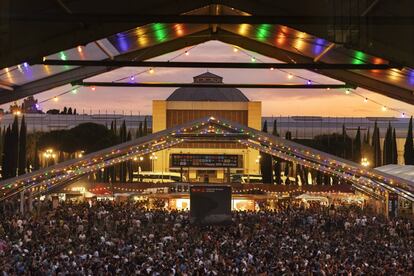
205	160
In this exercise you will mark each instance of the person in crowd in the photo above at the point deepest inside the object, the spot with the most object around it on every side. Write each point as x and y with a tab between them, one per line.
109	238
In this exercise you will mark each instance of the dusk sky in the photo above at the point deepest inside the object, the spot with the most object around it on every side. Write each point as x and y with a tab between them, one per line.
274	101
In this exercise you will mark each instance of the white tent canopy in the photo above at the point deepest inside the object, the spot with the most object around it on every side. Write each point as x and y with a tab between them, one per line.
403	171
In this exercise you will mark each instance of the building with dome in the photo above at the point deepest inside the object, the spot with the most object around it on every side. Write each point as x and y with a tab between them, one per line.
203	161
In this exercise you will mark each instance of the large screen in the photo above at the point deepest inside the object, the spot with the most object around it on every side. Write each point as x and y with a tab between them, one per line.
205	160
210	204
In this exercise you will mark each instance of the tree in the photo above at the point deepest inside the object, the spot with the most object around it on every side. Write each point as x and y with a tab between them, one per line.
266	163
357	146
274	132
22	147
140	131
6	154
394	148
89	137
123	165
65	110
70	111
130	162
36	161
408	146
345	152
387	148
145	132
74	112
14	153
276	161
2	133
53	111
376	146
288	135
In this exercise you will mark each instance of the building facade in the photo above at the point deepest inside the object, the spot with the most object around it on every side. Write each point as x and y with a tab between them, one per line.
208	160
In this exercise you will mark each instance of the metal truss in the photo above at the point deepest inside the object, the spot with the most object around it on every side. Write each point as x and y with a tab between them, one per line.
368	181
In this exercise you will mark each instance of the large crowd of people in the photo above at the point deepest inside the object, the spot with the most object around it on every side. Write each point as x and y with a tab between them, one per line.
108	238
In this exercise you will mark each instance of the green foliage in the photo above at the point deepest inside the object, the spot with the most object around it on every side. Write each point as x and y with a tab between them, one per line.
274	132
335	144
89	137
14	144
22	148
357	147
266	163
6	154
145	131
408	146
376	147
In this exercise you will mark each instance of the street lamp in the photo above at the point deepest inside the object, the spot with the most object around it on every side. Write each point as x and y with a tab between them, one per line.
153	157
138	160
258	162
49	154
365	162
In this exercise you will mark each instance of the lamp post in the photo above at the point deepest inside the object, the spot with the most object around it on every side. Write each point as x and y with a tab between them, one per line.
153	157
258	162
80	154
138	160
49	154
364	162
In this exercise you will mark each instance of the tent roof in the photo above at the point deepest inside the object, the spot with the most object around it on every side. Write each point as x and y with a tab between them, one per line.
92	31
402	171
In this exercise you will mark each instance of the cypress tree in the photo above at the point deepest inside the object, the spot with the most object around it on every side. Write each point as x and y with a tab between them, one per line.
138	133
22	147
357	146
130	162
2	133
61	157
408	146
36	160
394	148
14	153
6	155
387	148
376	146
123	165
288	135
277	162
368	134
123	132
274	132
145	132
344	144
140	130
266	163
264	129
112	169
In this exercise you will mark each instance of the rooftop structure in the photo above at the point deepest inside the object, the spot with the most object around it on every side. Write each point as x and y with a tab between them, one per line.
208	94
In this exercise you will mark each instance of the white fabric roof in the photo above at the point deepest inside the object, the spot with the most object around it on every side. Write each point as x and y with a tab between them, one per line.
402	171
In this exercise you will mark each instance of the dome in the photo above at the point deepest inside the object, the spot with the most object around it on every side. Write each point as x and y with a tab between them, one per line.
208	94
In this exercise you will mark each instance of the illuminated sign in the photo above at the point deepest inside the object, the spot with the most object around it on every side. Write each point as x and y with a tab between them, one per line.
206	160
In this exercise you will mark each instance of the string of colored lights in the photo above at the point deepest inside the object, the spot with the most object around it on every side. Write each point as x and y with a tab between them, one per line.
75	89
366	179
254	59
383	107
